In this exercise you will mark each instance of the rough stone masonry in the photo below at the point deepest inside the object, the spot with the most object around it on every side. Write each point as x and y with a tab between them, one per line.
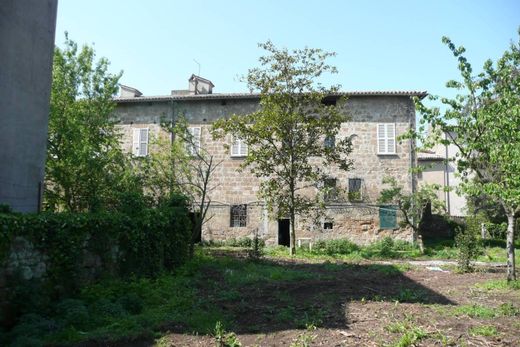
236	210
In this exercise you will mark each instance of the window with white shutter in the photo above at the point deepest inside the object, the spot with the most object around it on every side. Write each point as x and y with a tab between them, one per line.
386	138
140	142
238	148
193	140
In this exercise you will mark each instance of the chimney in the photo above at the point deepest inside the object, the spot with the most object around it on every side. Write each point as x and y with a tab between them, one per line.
199	85
128	92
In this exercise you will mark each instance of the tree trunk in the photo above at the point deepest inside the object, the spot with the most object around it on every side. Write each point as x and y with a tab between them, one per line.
293	235
510	247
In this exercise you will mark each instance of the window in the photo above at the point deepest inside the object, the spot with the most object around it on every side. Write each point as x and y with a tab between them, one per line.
387	217
386	138
331	193
140	142
193	140
354	189
329	142
238	216
238	148
328	225
329	101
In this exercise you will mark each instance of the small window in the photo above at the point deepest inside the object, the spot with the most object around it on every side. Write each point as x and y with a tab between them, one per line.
386	138
331	192
238	216
329	101
329	142
193	140
387	217
238	148
354	189
140	142
328	225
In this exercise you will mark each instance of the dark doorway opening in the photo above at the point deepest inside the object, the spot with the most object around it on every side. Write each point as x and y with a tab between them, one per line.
198	232
283	232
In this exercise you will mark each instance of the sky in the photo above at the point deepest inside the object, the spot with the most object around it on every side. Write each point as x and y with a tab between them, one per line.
380	45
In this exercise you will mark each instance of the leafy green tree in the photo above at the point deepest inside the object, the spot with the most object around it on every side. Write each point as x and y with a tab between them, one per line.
85	164
412	205
483	122
285	137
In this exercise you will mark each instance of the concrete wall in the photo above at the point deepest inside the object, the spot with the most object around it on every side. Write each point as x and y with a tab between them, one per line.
26	50
356	221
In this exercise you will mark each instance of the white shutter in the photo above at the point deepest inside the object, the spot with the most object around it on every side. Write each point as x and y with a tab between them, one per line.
381	139
135	142
390	138
193	143
386	138
235	147
238	147
143	142
243	148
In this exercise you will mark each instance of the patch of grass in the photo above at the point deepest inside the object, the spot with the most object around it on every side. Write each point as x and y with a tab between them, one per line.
479	311
483	330
410	295
499	285
474	311
411	333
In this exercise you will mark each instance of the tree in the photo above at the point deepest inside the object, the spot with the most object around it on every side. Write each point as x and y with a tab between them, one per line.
412	205
285	137
85	164
193	167
483	122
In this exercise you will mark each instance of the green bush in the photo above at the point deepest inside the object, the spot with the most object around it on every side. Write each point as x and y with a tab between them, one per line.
468	246
334	247
145	243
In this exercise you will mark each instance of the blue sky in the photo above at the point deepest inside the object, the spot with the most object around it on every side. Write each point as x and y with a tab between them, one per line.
381	45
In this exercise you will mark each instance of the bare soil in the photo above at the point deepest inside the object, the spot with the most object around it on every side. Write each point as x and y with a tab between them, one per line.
363	305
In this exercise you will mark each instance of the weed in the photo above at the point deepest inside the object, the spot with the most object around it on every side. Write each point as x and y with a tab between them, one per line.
224	338
411	333
305	339
483	330
478	311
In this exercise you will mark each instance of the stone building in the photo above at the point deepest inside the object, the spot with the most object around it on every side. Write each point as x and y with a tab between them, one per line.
438	166
376	120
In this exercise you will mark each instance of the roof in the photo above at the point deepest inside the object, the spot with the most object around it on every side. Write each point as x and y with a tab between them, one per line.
221	96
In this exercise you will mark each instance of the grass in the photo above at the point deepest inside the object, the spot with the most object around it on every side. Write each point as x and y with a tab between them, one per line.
117	309
499	285
434	249
410	332
483	330
480	311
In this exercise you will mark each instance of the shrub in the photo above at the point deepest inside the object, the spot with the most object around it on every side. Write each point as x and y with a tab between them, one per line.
466	241
149	241
333	247
257	246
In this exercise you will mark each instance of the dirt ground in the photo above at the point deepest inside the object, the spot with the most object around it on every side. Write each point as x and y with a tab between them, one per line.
369	305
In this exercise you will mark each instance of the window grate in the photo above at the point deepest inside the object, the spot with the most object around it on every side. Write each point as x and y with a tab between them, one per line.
238	216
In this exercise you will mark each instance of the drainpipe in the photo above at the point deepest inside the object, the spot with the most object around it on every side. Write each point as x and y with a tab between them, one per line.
447	177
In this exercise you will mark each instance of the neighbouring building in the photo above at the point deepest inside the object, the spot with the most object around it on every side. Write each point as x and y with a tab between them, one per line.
377	119
26	51
438	166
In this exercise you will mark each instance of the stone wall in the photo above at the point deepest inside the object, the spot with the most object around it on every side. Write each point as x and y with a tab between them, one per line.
358	222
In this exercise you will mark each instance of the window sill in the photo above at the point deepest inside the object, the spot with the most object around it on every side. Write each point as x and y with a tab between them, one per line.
387	154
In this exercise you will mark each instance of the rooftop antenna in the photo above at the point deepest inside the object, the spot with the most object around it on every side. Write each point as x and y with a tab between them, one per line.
198	65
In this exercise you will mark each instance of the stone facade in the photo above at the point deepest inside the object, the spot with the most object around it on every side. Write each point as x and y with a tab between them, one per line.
358	221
